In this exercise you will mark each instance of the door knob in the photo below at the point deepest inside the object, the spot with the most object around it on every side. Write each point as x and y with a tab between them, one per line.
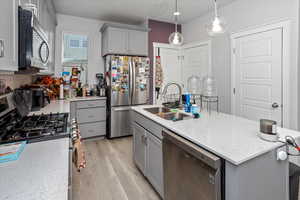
275	105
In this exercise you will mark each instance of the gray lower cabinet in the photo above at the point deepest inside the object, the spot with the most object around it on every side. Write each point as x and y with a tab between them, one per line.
262	178
139	147
154	162
91	117
147	151
88	115
92	129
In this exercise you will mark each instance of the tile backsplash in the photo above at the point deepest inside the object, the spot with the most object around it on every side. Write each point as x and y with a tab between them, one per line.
16	80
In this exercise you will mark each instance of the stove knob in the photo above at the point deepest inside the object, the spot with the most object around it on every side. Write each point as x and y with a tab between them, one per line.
74	134
73	123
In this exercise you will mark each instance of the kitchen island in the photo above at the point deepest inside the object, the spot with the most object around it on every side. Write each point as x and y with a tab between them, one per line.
251	168
41	172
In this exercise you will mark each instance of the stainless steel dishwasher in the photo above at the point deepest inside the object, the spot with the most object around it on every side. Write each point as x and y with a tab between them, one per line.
190	172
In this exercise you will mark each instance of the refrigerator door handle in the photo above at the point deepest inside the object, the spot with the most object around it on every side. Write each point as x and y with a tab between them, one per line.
130	81
125	108
133	81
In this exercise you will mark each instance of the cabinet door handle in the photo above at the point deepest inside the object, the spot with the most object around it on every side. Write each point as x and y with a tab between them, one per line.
143	139
275	105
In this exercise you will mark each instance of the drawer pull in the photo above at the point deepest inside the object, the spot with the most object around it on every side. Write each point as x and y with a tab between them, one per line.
91	131
91	116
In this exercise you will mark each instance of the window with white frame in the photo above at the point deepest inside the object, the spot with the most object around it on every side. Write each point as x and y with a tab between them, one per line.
74	43
75	48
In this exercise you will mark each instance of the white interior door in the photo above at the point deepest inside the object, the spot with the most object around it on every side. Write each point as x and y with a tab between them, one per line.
196	62
171	65
258	76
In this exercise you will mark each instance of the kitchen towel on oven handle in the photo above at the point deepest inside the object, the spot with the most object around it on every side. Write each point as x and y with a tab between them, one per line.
79	153
158	76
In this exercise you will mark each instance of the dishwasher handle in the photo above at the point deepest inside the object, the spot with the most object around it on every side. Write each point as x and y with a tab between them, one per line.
189	147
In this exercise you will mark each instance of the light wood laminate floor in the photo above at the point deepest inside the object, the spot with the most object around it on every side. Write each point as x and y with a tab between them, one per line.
111	174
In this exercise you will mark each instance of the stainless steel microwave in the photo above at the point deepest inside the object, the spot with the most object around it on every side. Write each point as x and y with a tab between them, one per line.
33	43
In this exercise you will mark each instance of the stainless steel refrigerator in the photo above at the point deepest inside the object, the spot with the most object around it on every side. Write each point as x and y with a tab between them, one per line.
128	81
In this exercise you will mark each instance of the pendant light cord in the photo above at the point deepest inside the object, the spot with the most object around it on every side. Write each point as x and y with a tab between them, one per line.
216	8
176	17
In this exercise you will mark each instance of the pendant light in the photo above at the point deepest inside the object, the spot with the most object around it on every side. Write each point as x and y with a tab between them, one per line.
176	37
217	26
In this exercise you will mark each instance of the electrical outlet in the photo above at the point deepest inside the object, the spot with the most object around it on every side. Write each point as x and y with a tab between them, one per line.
1	48
2	86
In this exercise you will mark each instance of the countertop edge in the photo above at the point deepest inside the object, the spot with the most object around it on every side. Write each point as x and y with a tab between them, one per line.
86	99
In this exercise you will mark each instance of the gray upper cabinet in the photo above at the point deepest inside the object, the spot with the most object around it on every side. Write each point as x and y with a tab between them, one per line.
9	35
117	41
137	42
124	41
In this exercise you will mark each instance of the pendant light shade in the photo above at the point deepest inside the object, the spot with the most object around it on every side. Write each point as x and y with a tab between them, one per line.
176	37
218	25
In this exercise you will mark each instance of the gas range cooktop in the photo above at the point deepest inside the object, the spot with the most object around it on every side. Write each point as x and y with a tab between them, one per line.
33	128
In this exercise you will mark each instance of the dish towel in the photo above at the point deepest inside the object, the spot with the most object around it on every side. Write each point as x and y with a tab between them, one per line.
79	154
158	76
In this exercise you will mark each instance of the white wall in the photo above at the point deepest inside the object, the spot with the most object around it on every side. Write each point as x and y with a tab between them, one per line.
80	25
241	15
299	67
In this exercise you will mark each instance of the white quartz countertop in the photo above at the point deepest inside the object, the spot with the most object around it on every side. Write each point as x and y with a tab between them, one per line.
63	106
57	106
41	173
233	138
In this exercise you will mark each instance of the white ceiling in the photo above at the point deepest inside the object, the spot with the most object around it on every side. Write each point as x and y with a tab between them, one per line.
135	11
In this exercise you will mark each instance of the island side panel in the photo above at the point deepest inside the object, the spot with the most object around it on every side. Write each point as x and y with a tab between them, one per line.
262	178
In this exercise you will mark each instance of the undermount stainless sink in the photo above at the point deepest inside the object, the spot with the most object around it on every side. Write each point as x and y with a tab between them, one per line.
174	116
157	110
166	114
